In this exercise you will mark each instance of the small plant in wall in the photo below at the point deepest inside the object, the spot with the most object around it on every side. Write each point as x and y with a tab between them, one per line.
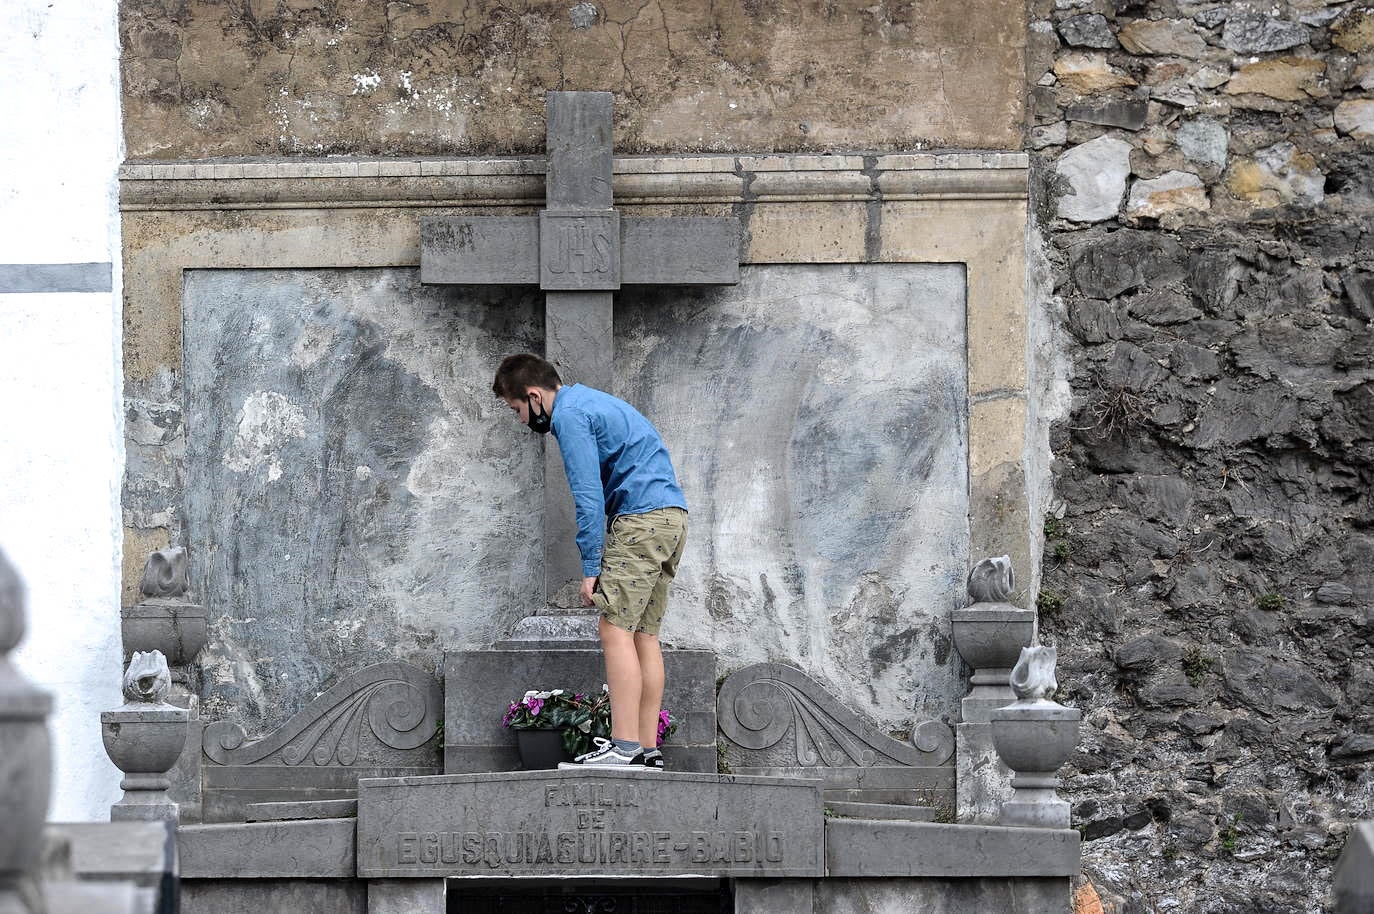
1272	602
1196	665
1230	835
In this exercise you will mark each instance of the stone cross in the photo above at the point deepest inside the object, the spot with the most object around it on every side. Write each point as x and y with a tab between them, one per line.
579	251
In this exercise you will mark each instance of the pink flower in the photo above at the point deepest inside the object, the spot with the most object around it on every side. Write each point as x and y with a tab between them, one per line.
535	705
664	722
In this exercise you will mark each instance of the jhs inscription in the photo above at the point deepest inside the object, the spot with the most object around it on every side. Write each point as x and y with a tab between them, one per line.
497	849
579	247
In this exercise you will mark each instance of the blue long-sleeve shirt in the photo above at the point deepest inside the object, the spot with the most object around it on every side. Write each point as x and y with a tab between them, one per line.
616	464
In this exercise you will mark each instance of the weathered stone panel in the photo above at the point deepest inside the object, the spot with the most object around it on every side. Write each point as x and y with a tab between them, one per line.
446	77
355	493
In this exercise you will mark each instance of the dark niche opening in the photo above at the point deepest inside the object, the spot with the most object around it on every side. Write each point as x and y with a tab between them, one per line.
588	896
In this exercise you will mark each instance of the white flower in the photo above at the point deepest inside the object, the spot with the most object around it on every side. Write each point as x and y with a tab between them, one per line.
544	696
531	694
555	692
605	687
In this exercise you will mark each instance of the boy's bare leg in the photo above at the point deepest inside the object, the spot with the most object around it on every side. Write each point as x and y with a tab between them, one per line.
624	678
651	687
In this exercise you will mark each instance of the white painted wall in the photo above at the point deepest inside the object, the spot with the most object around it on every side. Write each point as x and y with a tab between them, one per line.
61	425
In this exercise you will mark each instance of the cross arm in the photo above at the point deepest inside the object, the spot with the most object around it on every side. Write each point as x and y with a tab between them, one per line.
679	250
480	250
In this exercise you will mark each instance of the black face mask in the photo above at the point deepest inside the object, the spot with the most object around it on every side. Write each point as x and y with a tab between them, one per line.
540	422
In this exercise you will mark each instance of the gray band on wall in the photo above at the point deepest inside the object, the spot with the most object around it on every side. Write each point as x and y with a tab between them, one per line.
55	277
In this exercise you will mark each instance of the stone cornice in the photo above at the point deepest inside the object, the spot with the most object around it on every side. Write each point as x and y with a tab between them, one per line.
226	184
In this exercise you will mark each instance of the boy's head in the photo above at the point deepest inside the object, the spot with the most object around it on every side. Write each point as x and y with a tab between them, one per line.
528	384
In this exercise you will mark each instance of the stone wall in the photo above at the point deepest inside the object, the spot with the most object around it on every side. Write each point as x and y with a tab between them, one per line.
1206	189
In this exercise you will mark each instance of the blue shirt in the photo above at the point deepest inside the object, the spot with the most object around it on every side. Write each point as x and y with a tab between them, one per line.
616	464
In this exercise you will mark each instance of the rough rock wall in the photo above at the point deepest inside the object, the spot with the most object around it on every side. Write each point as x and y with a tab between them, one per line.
1206	185
292	77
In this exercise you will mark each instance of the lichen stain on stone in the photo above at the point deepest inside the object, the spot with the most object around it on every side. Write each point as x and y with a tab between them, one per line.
266	421
893	648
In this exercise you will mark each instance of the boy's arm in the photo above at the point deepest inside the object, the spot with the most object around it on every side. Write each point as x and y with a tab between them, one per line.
577	442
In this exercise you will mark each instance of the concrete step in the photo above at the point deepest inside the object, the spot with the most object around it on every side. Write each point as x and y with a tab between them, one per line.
897	811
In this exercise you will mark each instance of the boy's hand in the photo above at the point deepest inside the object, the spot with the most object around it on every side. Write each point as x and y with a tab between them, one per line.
588	585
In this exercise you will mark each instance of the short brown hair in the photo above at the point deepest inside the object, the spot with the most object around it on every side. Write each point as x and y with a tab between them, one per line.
518	373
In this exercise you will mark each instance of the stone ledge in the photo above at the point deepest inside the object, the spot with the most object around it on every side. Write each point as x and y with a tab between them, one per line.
858	847
519	182
315	849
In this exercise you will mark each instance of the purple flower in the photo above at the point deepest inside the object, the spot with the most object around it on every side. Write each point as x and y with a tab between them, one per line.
664	722
535	705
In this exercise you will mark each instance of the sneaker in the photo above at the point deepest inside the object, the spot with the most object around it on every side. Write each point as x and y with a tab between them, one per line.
605	755
651	761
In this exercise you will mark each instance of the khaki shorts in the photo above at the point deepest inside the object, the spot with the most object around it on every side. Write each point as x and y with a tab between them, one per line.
640	559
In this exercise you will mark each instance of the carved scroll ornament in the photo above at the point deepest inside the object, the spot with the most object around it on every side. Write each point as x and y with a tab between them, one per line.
758	705
400	703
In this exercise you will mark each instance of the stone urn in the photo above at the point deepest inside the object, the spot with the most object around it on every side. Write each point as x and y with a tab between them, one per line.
164	620
25	752
144	738
1034	736
989	634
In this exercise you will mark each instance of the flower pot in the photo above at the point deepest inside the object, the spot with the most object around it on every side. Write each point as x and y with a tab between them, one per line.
540	749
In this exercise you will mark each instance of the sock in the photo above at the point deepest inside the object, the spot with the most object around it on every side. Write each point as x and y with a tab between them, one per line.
650	753
627	746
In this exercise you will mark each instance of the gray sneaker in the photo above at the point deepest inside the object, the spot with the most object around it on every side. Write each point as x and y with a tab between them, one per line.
605	755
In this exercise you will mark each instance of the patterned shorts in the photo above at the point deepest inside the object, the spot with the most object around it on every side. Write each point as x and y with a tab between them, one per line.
639	562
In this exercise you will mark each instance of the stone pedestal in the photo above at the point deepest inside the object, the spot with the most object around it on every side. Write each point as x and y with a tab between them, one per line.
144	738
164	620
559	651
26	760
984	782
989	636
144	742
1035	736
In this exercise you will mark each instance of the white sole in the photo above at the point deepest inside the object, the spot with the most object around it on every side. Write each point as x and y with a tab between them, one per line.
576	766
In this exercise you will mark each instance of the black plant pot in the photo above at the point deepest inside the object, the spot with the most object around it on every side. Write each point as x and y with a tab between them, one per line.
540	749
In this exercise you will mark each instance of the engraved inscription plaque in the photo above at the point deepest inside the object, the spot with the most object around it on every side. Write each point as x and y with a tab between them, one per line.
539	823
579	250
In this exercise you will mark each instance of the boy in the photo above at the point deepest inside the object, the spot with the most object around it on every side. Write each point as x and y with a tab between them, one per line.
618	469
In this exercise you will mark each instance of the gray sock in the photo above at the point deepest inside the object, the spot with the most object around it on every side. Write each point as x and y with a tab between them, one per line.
649	753
627	746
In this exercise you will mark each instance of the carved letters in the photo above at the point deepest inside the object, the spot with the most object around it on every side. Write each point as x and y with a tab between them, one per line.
591	846
571	823
579	250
